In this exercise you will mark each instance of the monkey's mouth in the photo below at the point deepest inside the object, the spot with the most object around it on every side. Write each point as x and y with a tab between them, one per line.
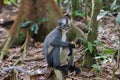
65	30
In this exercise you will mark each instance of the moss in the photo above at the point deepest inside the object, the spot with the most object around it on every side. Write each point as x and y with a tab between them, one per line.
19	39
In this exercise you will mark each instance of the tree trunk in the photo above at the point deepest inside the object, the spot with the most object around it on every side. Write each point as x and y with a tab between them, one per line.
59	4
31	10
1	4
75	5
92	35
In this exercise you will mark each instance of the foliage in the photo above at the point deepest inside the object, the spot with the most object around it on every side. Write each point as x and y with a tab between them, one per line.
34	27
68	6
19	39
11	1
102	14
78	13
114	9
117	20
89	45
25	24
104	57
96	67
114	6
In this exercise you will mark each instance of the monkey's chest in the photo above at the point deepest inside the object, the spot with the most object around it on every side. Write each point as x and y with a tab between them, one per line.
64	37
64	40
63	56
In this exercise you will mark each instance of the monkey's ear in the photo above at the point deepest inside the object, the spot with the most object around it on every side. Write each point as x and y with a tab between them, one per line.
59	22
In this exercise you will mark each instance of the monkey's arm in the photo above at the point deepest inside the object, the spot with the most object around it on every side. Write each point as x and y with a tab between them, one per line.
58	43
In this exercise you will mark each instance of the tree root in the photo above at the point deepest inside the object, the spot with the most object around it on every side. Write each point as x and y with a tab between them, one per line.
32	59
23	49
22	56
1	46
5	48
15	27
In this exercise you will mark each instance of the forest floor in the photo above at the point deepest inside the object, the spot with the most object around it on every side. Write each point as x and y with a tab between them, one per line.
34	61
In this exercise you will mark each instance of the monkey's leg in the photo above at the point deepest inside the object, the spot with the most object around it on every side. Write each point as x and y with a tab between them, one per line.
53	58
71	66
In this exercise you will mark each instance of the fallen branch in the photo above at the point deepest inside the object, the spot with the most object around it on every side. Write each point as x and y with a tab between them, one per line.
38	71
32	59
28	59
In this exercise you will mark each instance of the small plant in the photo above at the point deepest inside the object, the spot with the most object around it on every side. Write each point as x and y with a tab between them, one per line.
96	67
78	13
114	10
34	27
11	2
104	57
89	45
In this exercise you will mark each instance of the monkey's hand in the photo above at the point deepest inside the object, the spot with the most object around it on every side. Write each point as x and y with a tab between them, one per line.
71	45
70	51
73	68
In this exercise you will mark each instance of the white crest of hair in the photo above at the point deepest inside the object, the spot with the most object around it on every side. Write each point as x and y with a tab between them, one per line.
64	21
69	21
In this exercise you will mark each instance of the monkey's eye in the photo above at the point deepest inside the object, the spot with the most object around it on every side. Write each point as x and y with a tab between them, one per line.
68	26
64	25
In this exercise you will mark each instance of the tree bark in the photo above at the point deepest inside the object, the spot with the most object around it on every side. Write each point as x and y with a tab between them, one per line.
75	5
1	4
92	35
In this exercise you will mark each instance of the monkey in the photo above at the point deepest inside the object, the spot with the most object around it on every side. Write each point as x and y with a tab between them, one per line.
55	43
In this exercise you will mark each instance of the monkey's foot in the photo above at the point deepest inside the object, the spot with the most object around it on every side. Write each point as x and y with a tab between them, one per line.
76	69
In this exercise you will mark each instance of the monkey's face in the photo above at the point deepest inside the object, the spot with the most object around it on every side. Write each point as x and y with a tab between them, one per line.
64	24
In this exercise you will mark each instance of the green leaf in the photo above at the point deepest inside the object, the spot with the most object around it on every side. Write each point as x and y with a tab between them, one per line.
90	47
96	41
109	51
6	2
34	28
96	67
102	14
84	40
114	6
41	20
118	19
25	24
79	14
